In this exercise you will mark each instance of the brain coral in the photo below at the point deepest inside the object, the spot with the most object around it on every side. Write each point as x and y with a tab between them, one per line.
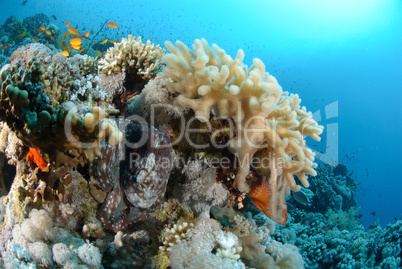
268	123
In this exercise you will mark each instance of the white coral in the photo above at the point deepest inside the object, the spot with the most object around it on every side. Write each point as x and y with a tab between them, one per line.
61	254
90	255
40	253
39	226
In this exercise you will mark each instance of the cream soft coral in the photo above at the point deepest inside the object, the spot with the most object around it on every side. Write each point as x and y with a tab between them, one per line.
267	121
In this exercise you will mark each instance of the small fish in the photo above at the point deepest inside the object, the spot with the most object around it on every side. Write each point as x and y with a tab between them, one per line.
86	35
48	32
81	50
103	42
76	41
66	35
52	38
94	42
35	38
54	17
16	25
38	30
373	214
4	47
65	53
260	192
75	47
73	31
112	24
111	41
67	24
24	3
326	228
99	53
23	34
42	28
301	198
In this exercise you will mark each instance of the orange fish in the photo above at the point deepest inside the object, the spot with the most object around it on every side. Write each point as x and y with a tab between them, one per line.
34	155
52	38
112	24
103	42
38	30
23	34
4	47
67	24
75	47
99	53
260	193
73	31
65	53
81	50
76	41
86	34
48	32
111	41
35	38
42	28
94	42
66	35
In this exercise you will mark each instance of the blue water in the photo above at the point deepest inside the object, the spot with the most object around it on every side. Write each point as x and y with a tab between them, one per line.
345	52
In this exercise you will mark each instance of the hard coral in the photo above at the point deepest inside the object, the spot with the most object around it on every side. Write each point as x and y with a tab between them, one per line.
132	56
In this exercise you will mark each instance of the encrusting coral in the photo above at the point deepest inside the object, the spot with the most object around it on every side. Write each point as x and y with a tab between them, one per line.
267	121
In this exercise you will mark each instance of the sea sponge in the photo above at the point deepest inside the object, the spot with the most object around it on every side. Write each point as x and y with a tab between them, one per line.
266	120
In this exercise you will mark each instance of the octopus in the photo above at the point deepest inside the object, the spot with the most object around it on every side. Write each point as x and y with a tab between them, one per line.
134	175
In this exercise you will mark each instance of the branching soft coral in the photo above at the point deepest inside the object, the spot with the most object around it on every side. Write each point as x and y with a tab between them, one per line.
268	123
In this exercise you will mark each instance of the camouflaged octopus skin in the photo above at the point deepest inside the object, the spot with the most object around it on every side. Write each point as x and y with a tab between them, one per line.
137	184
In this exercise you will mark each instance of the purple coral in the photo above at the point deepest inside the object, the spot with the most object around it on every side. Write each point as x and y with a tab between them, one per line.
137	184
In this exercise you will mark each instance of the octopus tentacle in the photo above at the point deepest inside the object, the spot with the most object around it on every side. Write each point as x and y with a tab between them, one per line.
113	212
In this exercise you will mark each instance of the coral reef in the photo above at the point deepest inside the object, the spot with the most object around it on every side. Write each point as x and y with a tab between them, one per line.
94	173
52	112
